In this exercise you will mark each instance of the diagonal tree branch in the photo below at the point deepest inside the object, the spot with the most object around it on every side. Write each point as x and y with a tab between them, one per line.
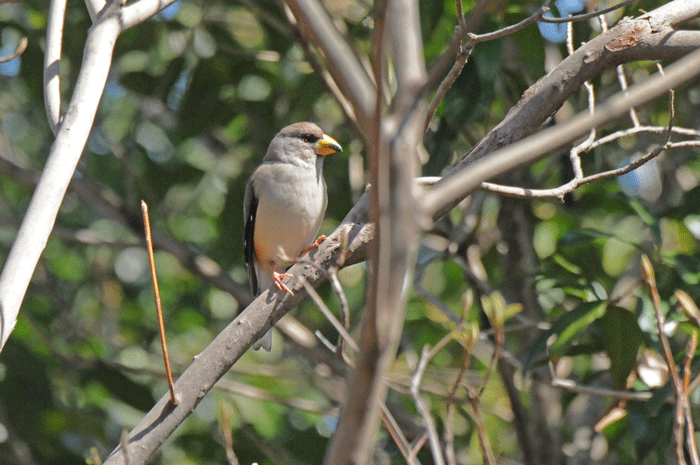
650	37
464	179
343	64
232	343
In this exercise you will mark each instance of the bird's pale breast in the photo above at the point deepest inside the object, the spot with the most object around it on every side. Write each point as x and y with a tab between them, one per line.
288	216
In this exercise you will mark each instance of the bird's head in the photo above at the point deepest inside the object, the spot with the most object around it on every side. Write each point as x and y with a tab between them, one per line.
304	141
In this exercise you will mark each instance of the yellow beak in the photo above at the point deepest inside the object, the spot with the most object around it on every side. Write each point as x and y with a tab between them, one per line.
327	145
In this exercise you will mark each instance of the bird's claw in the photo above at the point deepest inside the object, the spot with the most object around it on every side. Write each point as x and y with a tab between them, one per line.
277	277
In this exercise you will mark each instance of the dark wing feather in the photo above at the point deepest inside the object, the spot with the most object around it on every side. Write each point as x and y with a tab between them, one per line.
250	209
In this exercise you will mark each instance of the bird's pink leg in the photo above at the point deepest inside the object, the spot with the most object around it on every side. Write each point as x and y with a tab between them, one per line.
277	277
315	245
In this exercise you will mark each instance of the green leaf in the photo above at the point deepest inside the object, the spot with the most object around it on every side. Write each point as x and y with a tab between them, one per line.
574	322
687	267
565	329
621	338
581	237
566	264
643	214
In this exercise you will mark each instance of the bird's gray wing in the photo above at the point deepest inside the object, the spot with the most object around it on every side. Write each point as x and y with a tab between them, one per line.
250	209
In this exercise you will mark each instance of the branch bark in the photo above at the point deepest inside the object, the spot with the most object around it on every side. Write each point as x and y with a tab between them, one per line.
52	60
343	64
214	361
467	177
112	19
63	159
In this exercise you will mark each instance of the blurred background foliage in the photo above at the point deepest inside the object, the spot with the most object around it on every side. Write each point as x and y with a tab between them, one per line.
194	97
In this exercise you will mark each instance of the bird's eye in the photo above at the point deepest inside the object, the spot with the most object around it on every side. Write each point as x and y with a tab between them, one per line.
308	138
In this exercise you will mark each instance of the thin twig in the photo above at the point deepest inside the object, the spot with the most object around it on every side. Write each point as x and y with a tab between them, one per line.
585	16
679	417
468	175
448	434
641	129
422	407
398	436
571	386
254	392
462	57
559	192
156	292
536	16
495	356
418	444
463	52
21	47
225	428
52	63
414	389
690	429
344	334
489	458
344	306
693	313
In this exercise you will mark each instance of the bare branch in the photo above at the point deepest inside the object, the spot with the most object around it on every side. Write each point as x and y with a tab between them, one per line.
506	31
649	37
397	435
679	416
579	179
690	429
622	79
448	434
421	406
393	152
52	63
329	315
460	181
489	458
585	16
462	57
94	7
440	64
21	47
63	158
214	361
140	11
571	386
345	67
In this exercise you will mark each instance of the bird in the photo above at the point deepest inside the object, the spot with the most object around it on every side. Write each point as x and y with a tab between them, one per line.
284	204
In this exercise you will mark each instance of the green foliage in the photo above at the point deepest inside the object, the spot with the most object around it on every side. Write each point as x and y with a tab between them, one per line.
193	99
621	338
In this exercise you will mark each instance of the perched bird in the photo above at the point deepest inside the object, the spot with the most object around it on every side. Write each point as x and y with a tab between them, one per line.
285	201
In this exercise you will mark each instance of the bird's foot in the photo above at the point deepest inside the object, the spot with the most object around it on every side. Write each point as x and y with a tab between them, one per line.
315	245
277	277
